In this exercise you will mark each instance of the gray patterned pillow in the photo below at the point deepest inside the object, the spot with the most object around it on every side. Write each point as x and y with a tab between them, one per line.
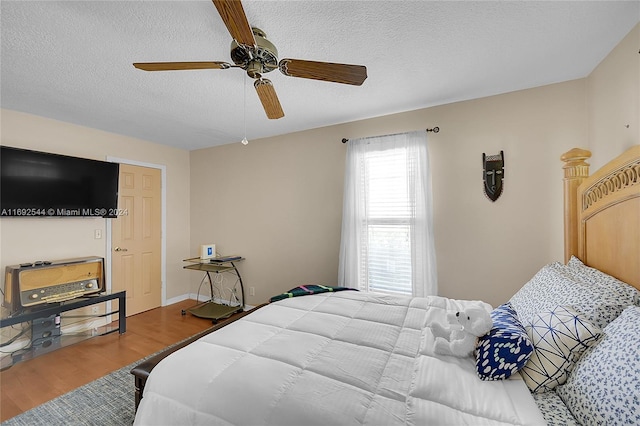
615	287
600	297
615	295
553	409
604	386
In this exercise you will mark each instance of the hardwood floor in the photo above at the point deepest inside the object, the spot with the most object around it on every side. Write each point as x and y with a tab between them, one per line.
30	383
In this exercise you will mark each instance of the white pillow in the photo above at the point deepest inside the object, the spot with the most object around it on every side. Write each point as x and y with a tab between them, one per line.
559	337
604	386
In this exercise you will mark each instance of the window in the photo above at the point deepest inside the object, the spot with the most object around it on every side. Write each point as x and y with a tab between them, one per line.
387	247
387	243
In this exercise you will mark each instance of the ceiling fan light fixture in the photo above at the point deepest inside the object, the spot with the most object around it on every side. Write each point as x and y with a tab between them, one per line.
264	53
252	52
254	68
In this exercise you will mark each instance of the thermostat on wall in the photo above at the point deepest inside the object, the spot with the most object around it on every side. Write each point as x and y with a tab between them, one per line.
207	251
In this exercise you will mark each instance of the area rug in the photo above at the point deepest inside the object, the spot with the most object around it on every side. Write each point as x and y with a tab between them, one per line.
108	400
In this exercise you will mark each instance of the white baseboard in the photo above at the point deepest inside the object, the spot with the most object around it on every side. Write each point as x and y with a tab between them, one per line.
177	299
201	298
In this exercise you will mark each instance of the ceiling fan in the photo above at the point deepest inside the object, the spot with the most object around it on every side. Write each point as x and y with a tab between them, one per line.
251	51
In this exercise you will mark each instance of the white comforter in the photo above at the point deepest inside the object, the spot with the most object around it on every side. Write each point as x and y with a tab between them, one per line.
346	358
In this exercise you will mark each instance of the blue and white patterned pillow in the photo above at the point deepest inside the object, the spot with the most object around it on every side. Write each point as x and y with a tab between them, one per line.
588	290
559	338
604	386
505	349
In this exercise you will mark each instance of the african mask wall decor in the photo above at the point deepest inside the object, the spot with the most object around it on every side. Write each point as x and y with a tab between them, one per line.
493	174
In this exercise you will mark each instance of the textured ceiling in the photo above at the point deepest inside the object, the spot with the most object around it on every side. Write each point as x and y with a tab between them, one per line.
71	60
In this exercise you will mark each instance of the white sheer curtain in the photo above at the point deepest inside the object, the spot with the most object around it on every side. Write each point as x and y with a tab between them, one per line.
387	232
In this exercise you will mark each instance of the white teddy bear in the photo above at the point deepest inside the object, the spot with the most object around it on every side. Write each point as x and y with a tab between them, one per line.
459	338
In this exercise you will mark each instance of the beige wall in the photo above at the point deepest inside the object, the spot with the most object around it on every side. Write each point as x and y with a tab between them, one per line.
23	240
614	101
278	201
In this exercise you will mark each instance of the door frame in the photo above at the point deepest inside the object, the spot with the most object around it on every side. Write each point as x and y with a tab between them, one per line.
163	225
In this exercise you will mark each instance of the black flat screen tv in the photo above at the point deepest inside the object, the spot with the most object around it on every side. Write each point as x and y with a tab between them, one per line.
40	184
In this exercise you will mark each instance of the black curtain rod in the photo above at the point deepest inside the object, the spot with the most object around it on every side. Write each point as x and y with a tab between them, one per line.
434	130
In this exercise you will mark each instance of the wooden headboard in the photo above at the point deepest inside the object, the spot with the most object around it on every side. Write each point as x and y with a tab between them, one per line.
602	213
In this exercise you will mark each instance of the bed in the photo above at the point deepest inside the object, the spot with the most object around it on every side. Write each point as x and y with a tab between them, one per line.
564	340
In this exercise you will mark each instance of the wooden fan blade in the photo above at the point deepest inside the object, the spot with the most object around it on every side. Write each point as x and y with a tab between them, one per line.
269	99
178	66
234	18
325	71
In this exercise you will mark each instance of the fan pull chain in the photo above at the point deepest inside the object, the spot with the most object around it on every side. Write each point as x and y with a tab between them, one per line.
244	99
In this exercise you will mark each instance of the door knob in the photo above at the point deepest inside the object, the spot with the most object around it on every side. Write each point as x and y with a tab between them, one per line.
119	249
